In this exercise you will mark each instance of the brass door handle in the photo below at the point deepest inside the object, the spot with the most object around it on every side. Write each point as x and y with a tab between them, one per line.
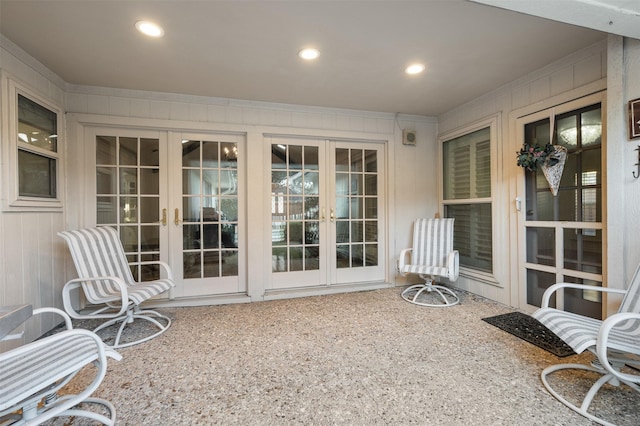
176	218
322	214
332	216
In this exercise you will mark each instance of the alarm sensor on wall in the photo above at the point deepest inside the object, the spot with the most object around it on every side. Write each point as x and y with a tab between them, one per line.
409	137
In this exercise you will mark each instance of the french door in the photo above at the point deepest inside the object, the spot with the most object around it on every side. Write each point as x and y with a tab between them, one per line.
205	226
180	197
174	197
327	212
130	195
562	236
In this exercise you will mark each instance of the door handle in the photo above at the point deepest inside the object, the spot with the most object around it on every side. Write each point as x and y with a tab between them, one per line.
332	216
163	221
518	204
322	214
176	218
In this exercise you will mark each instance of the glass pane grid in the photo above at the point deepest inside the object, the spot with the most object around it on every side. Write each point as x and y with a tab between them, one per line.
354	203
128	198
210	208
294	208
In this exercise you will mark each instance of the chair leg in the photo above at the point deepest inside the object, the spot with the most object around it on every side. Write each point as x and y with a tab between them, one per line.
437	289
129	318
586	402
109	323
429	287
105	420
161	328
30	411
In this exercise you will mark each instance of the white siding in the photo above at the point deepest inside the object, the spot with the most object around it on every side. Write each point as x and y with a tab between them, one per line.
32	268
622	156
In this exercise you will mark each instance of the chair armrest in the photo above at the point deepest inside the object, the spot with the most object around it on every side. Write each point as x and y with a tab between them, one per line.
63	314
453	265
164	266
560	286
602	343
46	365
77	283
402	260
123	286
112	353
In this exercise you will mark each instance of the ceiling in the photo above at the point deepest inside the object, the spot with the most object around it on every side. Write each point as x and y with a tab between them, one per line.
248	49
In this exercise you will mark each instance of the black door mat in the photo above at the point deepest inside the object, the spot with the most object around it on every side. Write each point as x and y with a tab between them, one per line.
530	329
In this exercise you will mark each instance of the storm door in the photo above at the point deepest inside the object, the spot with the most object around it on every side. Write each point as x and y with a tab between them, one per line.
563	234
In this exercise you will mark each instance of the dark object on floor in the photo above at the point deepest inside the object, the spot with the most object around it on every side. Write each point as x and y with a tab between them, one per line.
530	329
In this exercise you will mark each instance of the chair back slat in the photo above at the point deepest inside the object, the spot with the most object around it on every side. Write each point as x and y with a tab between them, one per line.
432	241
98	252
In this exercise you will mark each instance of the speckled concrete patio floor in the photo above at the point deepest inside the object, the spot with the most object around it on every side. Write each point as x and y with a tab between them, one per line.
366	358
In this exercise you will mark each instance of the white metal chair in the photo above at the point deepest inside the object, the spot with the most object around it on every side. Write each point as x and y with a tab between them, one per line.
107	283
32	374
615	342
432	255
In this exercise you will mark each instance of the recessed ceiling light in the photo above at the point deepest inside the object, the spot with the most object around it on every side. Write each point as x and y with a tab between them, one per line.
149	28
414	69
309	53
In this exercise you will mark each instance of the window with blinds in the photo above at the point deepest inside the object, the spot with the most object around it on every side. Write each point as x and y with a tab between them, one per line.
467	196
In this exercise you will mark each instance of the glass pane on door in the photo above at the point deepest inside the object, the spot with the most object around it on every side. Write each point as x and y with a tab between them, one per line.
583	250
295	205
356	213
325	213
209	209
128	197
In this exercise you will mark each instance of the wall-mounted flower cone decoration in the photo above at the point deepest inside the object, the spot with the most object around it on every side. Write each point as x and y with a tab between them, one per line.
553	172
550	159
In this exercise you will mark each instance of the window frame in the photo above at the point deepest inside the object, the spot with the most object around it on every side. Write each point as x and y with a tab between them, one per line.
493	124
11	147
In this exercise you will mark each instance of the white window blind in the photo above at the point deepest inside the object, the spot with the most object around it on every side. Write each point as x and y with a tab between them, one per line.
467	196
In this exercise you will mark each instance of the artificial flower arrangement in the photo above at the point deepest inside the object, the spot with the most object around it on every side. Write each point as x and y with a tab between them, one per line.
532	156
